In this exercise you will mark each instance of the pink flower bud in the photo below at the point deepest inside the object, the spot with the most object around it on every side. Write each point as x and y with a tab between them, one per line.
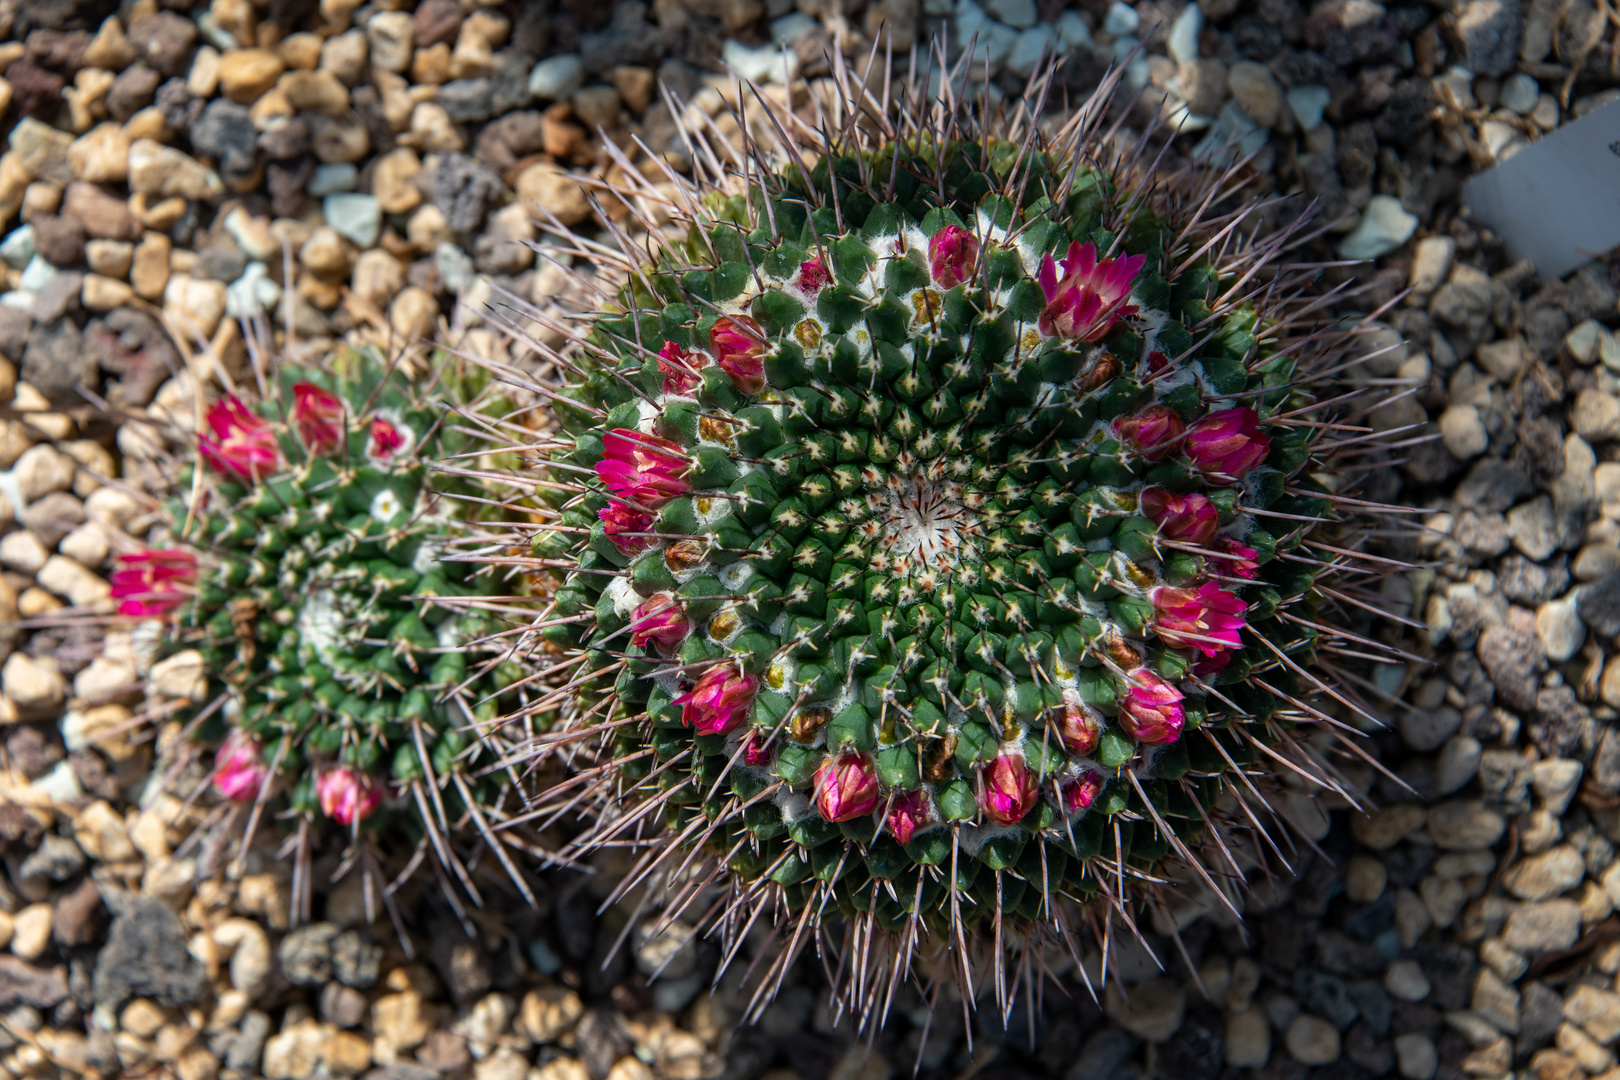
318	416
1077	728
813	276
386	439
1190	518
719	702
1090	297
659	619
152	584
1236	559
1009	789
1151	711
679	367
1152	432
760	750
346	796
1224	446
1082	791
953	254
241	444
910	811
624	525
1209	619
846	787
642	468
738	345
239	769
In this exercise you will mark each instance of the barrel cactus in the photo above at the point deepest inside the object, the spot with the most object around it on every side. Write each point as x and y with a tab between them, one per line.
924	541
308	610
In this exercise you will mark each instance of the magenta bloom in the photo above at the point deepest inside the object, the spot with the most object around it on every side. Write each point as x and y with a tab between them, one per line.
624	525
846	787
761	748
813	276
346	796
1152	711
242	445
1209	620
1151	432
1236	559
318	415
1224	446
1190	518
1082	791
1078	728
738	345
1009	789
659	619
1091	296
643	468
720	700
953	253
152	584
911	811
386	439
239	769
679	367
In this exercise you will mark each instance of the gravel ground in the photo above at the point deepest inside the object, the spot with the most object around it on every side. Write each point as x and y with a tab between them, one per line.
160	158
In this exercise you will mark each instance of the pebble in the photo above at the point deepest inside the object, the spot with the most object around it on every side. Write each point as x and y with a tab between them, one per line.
1416	1056
1018	14
353	216
1312	1040
1308	103
1182	41
1255	89
1248	1039
1385	225
1425	730
33	685
546	1014
764	64
1121	19
1598	1011
1520	93
1404	979
1032	48
1465	825
1543	927
1596	415
1458	763
1560	627
161	171
1153	1012
557	77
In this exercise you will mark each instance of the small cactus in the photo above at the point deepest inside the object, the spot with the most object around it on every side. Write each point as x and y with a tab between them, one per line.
308	572
924	533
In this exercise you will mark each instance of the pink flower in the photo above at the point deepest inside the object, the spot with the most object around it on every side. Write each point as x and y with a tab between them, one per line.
643	468
846	787
953	252
318	415
1151	432
1090	297
1009	789
242	445
1224	446
1190	518
624	525
720	700
661	620
386	439
1078	728
239	769
679	367
911	810
1151	711
152	584
738	345
1209	620
1236	559
346	796
1212	665
761	748
1082	791
813	276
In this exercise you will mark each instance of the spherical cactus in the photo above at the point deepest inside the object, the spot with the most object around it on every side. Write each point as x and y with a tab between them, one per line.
310	585
926	534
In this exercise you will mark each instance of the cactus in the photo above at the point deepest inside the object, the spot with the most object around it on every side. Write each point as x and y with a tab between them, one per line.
308	578
926	535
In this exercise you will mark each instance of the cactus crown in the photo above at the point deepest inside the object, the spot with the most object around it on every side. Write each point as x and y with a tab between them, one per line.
920	530
308	577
